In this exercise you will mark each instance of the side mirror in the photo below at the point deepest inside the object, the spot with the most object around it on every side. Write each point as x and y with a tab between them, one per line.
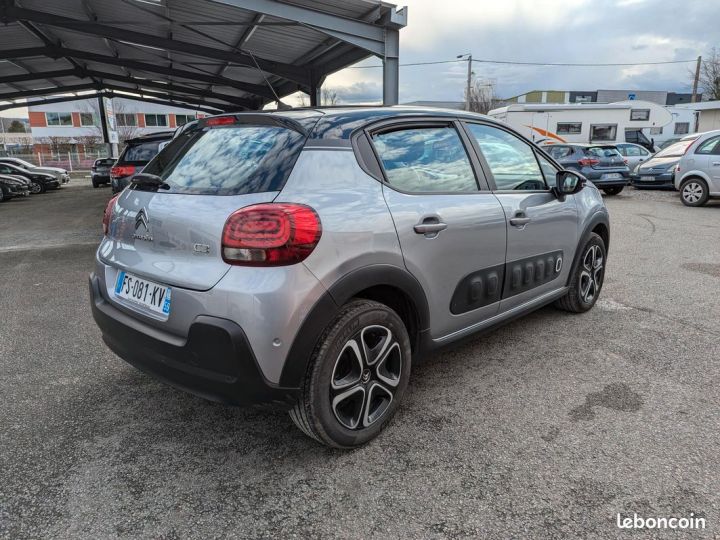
568	183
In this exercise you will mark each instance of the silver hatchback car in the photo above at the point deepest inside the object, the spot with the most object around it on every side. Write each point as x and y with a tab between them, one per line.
308	258
697	175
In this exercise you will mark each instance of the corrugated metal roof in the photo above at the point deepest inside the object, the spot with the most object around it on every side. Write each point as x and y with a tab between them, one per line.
207	49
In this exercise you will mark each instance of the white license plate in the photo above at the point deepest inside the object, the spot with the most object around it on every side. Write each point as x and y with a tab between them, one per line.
611	176
647	178
153	296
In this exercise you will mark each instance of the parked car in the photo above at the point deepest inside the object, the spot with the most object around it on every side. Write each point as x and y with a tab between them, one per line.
600	163
697	175
39	182
136	154
11	187
659	170
100	171
634	154
61	174
668	142
307	258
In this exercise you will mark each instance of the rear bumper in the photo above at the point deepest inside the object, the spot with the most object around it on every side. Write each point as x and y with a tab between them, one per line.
215	361
596	177
665	179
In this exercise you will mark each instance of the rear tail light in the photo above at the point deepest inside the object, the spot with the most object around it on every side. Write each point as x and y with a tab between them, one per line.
272	234
108	214
588	162
122	170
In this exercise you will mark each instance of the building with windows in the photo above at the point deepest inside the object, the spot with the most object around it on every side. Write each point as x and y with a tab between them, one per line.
562	97
74	126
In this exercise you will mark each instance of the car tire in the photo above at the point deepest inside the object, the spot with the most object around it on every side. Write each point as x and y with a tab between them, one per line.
586	278
694	192
613	190
2	195
95	183
356	377
36	187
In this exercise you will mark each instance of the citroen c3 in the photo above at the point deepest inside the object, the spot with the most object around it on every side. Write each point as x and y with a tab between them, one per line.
309	258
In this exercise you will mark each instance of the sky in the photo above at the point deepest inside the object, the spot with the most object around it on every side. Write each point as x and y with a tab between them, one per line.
584	31
572	31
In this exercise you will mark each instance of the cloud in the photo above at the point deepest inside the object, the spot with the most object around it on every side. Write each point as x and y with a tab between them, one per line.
582	31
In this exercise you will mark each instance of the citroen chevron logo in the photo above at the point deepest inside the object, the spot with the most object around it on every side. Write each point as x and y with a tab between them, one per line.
142	219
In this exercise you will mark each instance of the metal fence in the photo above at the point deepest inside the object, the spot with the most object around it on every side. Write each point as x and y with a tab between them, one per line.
71	161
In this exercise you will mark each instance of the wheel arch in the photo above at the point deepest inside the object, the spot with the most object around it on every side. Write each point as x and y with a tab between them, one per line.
599	224
388	284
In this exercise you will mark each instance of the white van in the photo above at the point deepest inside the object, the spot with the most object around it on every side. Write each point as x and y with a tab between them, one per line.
606	123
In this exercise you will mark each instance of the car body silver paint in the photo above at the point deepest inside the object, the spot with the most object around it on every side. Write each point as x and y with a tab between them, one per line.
357	227
553	226
176	222
270	304
267	303
474	239
705	166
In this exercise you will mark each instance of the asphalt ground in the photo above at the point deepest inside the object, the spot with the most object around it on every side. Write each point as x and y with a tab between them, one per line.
545	428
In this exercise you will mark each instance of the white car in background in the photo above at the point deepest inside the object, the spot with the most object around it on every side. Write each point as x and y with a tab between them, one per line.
697	175
61	174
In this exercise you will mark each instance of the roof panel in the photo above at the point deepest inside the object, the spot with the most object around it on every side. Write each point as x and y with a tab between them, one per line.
279	45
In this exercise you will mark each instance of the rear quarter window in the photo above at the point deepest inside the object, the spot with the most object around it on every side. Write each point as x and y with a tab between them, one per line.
140	153
232	160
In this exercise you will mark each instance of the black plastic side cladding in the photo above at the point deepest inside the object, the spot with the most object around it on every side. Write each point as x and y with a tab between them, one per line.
478	289
526	274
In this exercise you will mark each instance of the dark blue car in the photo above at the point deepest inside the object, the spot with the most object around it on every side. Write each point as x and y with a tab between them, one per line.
602	164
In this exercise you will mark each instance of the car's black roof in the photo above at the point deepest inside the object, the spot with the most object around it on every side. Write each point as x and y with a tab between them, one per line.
340	122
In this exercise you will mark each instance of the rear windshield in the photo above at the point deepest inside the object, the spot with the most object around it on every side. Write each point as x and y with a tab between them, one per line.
602	151
675	150
106	161
232	160
140	153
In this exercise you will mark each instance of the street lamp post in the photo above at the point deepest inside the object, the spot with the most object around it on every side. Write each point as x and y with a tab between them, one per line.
469	79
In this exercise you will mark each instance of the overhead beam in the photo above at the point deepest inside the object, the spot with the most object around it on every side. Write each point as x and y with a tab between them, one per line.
360	33
48	91
63	99
169	97
171	87
287	71
39	75
61	52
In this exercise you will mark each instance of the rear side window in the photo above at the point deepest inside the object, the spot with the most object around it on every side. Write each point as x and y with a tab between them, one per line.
141	153
709	147
602	152
559	152
425	159
232	160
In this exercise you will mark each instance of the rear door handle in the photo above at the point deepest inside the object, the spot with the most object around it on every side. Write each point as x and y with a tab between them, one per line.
430	228
519	221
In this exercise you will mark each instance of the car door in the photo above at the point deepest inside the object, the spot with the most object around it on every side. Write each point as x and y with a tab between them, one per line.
450	226
707	159
542	230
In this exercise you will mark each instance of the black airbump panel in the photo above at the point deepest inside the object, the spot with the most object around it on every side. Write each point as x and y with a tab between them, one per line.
478	289
526	274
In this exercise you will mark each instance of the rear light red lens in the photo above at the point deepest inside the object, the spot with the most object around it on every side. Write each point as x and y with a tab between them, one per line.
270	234
122	170
107	216
220	121
588	162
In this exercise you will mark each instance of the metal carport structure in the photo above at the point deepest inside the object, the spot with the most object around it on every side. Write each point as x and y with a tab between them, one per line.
212	55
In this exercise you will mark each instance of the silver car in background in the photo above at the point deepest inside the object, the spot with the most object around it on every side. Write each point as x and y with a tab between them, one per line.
697	174
308	258
62	176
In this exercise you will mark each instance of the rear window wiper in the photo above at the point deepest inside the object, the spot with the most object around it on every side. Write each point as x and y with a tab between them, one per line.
148	180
